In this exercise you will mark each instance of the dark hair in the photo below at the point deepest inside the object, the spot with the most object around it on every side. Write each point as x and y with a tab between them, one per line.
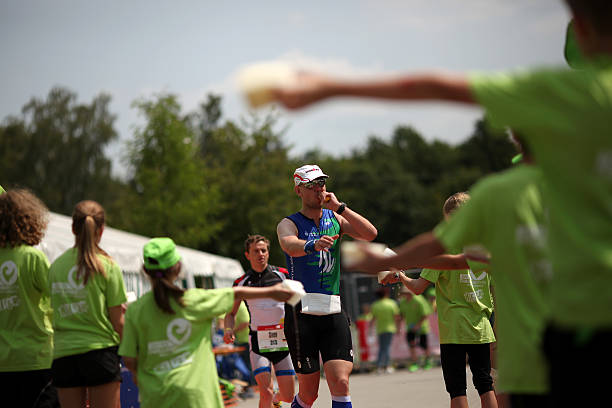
164	288
87	221
23	218
597	12
253	239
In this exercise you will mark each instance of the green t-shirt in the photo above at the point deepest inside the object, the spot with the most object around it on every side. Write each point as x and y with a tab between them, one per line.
80	312
414	310
176	365
1	190
564	116
26	333
242	316
464	305
384	311
505	218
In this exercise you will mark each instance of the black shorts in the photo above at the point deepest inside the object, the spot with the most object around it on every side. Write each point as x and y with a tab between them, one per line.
28	389
411	337
96	367
329	335
453	367
275	357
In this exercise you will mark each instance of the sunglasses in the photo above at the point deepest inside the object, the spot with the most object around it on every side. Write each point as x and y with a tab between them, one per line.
314	183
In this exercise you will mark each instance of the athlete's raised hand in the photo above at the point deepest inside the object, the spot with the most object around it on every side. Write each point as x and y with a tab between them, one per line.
325	242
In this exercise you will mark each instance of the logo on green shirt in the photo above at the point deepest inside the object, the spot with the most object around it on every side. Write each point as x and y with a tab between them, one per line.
178	331
8	274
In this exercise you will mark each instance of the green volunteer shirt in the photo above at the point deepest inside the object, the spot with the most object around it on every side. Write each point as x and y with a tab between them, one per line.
176	365
80	312
564	116
242	316
1	190
505	218
414	310
26	335
384	311
464	305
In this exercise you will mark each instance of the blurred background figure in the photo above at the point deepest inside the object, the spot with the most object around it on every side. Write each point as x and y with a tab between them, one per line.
415	311
386	316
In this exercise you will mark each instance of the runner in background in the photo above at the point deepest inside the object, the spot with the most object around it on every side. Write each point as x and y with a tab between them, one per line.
415	310
87	296
317	327
26	335
386	317
267	339
167	337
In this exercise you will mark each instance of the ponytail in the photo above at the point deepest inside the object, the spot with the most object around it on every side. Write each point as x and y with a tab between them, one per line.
87	222
164	288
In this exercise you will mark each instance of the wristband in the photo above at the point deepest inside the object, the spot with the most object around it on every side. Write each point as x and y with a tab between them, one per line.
309	246
341	208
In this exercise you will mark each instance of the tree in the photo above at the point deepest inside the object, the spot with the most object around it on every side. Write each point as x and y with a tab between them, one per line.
56	148
251	162
172	194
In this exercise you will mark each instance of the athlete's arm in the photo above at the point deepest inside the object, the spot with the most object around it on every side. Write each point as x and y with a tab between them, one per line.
229	321
312	88
351	222
292	245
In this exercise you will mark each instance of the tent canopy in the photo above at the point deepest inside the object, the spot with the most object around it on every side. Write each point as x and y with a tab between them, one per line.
126	249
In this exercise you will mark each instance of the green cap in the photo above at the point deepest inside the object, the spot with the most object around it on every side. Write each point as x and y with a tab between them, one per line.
572	52
160	253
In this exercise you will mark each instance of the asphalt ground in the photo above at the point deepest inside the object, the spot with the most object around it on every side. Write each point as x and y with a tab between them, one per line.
398	389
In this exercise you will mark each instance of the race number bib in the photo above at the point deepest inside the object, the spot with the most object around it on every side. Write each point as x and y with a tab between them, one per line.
271	338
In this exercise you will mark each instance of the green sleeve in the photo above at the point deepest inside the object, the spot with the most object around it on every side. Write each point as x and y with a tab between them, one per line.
209	303
430	275
115	287
129	342
40	266
528	101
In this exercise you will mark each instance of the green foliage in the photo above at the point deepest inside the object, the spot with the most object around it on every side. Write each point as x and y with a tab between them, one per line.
251	163
56	149
208	183
171	193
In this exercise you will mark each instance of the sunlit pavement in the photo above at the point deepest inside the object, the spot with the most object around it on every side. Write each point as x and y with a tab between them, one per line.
398	389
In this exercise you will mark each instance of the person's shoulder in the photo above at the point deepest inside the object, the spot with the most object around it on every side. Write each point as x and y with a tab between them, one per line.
30	251
241	280
280	270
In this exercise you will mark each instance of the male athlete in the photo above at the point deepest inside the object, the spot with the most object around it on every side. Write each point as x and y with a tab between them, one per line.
268	344
317	325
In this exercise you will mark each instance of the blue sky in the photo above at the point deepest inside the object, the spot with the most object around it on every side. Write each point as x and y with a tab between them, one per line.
132	49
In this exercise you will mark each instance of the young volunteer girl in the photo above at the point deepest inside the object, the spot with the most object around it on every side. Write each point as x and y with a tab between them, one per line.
167	336
87	295
25	325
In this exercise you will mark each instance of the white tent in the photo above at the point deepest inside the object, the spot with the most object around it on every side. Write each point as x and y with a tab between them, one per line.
126	249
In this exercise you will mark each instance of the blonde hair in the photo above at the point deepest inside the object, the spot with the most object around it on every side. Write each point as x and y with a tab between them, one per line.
87	221
455	201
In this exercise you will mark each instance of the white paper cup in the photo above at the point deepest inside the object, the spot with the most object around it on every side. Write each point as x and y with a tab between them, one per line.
256	81
352	253
297	288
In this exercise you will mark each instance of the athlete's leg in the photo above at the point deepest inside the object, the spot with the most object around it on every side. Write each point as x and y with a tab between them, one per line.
72	397
337	374
285	378
308	389
266	388
479	359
